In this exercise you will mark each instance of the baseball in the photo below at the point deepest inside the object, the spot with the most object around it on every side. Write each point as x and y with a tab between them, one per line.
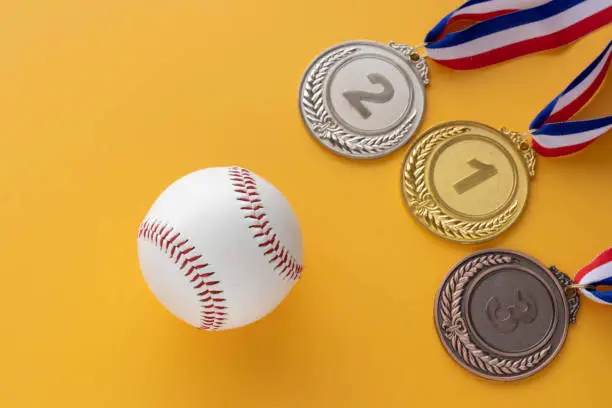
220	248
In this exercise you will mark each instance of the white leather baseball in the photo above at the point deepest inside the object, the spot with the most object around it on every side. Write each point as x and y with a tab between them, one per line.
220	248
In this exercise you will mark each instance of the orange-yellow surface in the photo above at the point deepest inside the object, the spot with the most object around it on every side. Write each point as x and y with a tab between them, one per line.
104	103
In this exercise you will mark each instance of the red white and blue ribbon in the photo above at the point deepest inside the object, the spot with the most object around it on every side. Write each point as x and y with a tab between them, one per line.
506	29
596	273
475	11
552	134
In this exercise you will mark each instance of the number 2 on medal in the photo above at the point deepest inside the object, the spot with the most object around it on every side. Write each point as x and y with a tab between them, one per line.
483	173
356	98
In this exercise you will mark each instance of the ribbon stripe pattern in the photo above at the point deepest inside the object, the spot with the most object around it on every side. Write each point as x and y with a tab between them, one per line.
552	135
598	272
509	29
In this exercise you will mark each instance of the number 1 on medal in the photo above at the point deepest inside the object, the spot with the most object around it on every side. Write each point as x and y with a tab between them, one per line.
483	173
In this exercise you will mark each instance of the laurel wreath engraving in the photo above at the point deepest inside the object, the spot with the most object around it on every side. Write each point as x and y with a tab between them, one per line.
420	199
331	132
454	325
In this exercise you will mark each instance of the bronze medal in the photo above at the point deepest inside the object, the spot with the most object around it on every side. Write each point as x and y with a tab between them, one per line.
503	315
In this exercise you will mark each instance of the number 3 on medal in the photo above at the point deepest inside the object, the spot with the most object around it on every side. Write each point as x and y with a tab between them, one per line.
356	98
483	173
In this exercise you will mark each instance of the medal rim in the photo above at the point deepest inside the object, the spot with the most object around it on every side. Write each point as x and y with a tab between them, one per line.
419	86
547	360
446	237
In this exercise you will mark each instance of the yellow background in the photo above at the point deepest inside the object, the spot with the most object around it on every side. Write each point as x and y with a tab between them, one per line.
105	103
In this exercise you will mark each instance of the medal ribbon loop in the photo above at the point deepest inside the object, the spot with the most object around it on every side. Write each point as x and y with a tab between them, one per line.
507	29
552	133
597	272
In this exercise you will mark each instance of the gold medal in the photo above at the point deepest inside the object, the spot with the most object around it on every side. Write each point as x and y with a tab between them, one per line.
466	181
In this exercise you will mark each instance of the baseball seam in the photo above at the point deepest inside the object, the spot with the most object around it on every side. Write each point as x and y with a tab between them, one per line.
276	253
164	237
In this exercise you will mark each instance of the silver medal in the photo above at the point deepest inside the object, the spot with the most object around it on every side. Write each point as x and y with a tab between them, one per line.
364	99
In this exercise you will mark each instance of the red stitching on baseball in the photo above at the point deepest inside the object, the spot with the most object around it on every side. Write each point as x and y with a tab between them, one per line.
212	318
279	256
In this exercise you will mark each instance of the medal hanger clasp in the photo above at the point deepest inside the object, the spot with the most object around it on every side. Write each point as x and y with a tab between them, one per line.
586	286
590	287
521	142
421	50
415	55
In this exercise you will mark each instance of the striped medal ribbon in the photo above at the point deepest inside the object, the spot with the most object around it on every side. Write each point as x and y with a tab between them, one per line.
485	32
552	131
598	273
